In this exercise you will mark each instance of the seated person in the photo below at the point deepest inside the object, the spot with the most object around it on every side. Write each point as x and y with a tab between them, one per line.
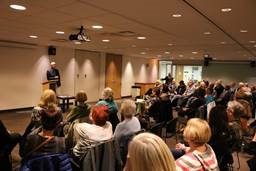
234	111
222	138
199	155
148	152
47	98
88	134
7	143
108	100
130	124
50	119
81	111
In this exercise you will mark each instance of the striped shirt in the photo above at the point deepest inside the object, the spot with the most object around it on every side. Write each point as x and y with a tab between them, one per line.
198	161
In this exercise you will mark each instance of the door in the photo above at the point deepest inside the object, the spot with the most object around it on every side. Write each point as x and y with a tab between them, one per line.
88	73
113	73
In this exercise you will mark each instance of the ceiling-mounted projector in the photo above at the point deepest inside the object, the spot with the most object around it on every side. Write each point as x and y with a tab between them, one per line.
80	36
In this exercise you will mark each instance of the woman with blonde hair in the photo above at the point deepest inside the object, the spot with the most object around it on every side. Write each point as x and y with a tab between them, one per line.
48	97
199	155
150	153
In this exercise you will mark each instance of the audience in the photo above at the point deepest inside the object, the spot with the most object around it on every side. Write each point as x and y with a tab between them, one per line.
222	139
50	119
108	100
199	155
89	134
80	112
130	124
8	141
148	152
48	97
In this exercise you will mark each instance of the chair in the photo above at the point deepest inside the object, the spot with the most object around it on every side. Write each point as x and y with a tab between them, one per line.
157	129
170	129
104	156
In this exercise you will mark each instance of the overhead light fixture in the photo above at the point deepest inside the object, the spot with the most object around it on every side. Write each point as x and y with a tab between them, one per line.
176	15
207	33
33	36
77	42
18	7
223	43
60	32
97	27
141	38
170	44
105	40
143	53
195	52
80	36
167	53
159	56
243	31
226	9
252	41
181	55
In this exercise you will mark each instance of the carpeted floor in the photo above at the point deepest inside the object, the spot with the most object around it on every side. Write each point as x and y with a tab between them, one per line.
16	121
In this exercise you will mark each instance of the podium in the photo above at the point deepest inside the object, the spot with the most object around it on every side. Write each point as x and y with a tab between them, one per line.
48	84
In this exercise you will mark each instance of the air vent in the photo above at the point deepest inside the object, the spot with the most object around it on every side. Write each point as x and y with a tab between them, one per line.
15	44
60	40
125	33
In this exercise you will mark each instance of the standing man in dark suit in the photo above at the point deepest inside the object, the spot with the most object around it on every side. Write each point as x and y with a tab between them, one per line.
53	76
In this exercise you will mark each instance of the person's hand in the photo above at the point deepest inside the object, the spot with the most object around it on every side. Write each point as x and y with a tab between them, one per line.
180	146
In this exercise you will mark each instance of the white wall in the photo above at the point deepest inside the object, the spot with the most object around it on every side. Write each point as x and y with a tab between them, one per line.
230	72
140	70
22	71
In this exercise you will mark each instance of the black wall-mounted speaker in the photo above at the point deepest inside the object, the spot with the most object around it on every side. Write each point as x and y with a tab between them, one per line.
252	64
207	60
51	50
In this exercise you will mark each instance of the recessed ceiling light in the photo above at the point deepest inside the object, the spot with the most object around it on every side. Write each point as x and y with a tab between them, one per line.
60	32
105	40
97	27
77	42
167	52
133	46
195	52
170	44
207	32
18	7
252	41
243	31
141	38
143	53
176	15
223	43
181	55
33	36
226	9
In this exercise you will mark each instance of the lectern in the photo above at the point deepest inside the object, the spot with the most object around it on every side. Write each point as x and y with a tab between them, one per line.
50	84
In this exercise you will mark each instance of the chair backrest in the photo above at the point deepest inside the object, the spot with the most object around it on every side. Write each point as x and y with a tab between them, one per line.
104	156
157	129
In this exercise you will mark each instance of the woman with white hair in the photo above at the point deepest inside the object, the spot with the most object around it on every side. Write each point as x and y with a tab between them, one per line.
150	153
130	124
108	100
